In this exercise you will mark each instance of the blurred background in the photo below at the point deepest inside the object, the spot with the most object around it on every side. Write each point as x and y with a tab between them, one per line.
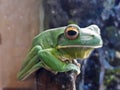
102	70
21	20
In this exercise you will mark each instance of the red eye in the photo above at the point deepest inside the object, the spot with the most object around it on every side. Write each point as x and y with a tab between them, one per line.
71	32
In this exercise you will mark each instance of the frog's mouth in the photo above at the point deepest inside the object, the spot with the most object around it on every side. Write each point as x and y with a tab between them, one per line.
79	46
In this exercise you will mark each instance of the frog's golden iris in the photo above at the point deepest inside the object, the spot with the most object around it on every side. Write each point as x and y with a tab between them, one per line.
71	32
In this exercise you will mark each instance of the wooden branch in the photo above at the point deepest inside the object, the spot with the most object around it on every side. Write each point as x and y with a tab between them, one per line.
46	80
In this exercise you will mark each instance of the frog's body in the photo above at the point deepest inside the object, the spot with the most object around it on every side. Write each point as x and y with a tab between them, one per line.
52	48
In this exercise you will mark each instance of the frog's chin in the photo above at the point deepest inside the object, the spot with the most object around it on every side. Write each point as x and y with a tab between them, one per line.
79	46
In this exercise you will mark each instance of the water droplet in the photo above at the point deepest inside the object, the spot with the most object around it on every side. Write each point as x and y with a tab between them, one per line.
63	86
5	16
21	17
9	28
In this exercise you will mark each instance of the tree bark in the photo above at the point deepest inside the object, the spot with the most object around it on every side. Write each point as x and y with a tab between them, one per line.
46	80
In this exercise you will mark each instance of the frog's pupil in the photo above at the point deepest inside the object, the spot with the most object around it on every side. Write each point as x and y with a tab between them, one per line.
72	33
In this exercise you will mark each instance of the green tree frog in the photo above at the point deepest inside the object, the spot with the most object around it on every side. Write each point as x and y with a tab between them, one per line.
56	49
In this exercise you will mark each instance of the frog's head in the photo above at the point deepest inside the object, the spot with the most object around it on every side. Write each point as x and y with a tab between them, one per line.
82	39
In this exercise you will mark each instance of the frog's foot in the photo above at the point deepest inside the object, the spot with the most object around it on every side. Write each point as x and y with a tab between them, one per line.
74	61
72	67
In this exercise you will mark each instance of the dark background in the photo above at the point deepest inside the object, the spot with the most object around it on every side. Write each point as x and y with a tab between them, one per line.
102	70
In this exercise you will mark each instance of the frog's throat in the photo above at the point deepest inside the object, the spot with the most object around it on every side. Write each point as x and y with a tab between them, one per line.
71	53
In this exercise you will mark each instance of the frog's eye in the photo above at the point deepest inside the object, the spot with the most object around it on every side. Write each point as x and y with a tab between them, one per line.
71	32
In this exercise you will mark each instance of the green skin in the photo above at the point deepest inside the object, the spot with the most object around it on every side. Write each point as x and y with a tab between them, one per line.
54	51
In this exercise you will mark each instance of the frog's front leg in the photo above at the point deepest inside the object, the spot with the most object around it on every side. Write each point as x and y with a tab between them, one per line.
54	63
38	57
31	63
